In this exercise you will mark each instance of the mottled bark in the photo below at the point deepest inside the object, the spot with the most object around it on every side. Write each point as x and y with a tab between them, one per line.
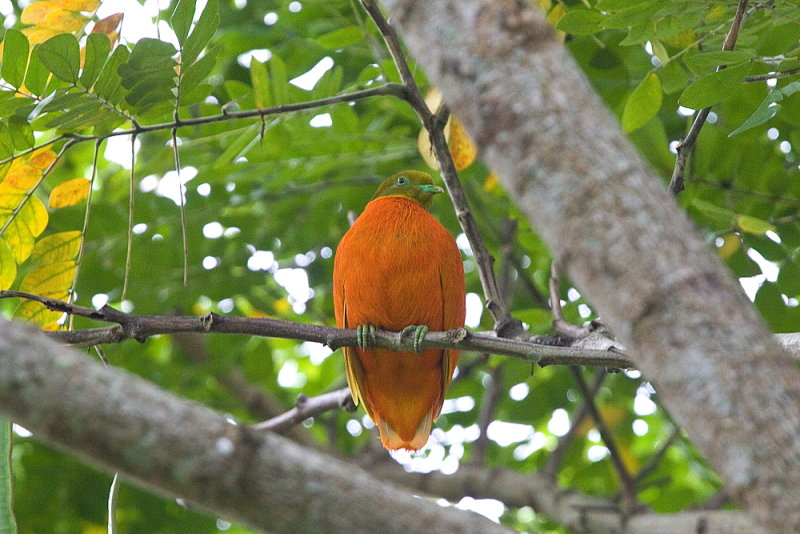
581	514
119	422
624	242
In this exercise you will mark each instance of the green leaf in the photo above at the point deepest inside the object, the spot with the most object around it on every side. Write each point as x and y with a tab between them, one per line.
580	22
753	225
181	19
768	108
764	112
617	5
97	48
202	33
643	104
75	116
36	78
341	38
723	216
260	81
6	141
199	70
21	133
789	278
279	79
714	87
108	86
673	77
702	63
15	57
8	524
62	56
151	54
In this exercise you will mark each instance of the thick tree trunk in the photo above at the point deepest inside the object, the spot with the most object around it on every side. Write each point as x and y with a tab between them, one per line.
122	423
624	242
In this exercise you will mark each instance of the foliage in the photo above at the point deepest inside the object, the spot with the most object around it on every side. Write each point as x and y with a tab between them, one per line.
266	199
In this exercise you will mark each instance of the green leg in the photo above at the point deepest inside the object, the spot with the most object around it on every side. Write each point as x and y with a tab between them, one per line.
419	335
366	335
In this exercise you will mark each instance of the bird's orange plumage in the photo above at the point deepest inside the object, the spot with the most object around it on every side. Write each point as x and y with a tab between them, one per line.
398	266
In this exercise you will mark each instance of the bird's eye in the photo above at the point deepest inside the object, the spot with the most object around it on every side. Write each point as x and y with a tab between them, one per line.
401	181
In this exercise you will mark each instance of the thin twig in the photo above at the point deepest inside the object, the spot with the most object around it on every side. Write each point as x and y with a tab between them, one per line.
491	396
555	458
560	325
308	407
131	196
655	460
505	324
685	146
140	327
84	229
389	89
626	480
772	75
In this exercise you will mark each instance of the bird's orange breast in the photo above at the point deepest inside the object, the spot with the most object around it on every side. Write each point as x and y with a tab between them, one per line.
398	266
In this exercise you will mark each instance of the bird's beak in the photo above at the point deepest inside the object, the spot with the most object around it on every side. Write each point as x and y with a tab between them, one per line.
429	188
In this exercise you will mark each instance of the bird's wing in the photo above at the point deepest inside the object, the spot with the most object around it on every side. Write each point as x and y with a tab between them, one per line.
355	372
453	294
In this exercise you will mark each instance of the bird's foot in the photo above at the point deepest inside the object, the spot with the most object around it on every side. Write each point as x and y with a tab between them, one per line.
366	336
419	335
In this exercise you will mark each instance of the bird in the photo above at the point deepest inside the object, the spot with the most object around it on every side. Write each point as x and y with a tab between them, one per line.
398	269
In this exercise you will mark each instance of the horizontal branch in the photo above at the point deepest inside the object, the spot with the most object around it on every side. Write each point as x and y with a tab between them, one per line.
389	89
122	423
140	327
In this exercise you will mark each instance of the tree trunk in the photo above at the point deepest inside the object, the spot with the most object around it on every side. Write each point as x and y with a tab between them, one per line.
624	242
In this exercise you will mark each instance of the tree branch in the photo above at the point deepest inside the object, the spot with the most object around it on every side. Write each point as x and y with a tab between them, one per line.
309	407
140	327
119	422
505	324
580	514
686	145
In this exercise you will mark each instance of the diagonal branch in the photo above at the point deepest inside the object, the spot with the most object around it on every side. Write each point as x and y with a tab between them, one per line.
686	145
505	324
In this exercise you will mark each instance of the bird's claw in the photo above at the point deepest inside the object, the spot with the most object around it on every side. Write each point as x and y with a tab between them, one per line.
366	335
419	335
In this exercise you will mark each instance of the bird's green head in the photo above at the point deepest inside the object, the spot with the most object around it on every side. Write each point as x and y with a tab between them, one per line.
416	185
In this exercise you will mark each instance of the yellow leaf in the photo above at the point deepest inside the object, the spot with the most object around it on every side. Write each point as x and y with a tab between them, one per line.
69	193
425	149
22	174
64	21
57	247
35	312
80	5
42	158
28	223
108	26
730	244
49	280
8	267
753	225
37	35
462	148
52	281
35	12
